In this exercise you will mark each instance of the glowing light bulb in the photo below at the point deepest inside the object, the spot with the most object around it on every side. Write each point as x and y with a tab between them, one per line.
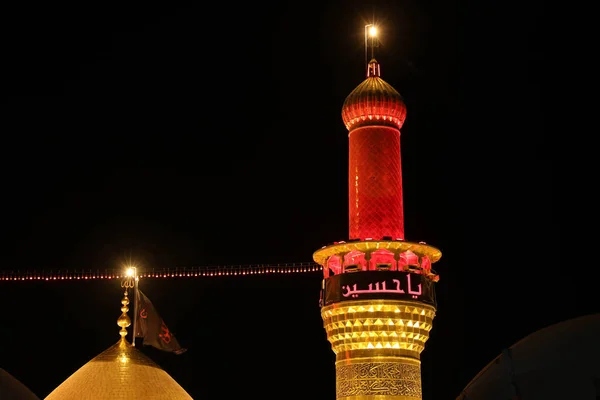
373	31
130	272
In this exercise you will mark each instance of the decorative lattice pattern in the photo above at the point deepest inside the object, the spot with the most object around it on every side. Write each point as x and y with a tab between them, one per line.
375	184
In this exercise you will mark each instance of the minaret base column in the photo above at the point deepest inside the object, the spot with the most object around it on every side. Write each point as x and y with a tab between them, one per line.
378	378
377	345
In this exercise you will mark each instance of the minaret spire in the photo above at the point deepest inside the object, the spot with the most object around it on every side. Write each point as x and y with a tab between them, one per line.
373	69
124	321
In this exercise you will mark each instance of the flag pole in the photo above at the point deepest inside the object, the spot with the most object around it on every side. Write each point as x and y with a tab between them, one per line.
132	274
135	291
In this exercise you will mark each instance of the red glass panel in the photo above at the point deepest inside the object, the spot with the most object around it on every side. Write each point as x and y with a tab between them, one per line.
335	264
382	256
356	257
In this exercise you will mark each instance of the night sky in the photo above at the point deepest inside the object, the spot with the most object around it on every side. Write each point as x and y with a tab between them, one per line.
180	136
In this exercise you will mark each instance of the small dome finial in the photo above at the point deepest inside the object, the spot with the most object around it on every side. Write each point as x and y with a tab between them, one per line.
124	321
373	69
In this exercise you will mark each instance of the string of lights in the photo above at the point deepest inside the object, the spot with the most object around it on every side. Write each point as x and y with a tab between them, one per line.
177	272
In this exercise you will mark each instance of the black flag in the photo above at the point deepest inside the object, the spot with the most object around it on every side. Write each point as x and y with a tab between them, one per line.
151	327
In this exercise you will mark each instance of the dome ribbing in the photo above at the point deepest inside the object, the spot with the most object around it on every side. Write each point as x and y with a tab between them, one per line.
373	102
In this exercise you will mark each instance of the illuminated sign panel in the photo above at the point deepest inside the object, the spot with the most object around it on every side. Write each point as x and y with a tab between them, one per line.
366	285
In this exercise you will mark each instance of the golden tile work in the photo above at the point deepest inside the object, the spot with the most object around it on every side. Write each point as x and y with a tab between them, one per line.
121	372
378	345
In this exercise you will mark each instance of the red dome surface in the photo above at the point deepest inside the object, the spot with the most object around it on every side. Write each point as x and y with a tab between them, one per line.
374	102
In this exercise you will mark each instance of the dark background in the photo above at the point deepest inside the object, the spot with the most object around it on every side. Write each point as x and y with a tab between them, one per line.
198	135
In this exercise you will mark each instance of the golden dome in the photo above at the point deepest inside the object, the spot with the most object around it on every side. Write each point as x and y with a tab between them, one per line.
374	102
121	372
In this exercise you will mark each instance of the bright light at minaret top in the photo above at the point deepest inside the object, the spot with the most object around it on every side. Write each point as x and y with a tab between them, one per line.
370	30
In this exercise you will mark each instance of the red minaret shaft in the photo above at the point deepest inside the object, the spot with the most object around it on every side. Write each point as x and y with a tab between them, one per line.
374	113
375	184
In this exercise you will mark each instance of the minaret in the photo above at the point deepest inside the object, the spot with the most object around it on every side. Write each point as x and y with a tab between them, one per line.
378	299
